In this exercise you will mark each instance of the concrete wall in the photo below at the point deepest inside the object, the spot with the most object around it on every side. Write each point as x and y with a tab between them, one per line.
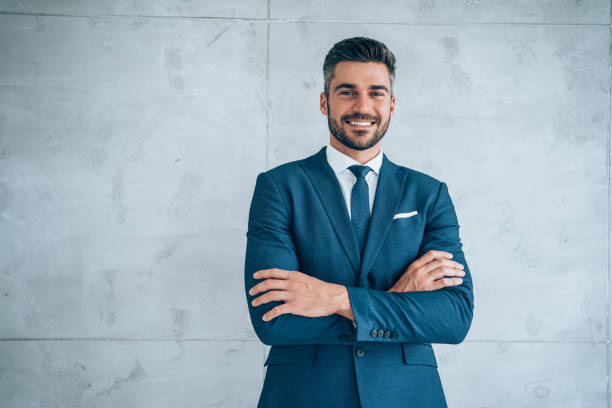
131	134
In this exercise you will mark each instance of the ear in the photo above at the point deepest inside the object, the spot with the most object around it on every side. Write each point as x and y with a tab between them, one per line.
323	103
392	107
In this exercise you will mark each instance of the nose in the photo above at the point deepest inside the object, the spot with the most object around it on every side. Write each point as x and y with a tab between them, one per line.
362	104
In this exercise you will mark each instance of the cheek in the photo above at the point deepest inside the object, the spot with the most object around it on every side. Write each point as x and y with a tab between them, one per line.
383	110
338	108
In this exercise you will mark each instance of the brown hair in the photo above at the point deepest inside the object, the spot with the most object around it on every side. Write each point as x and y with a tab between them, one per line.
359	49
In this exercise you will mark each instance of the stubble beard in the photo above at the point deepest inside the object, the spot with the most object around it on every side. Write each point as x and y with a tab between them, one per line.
338	132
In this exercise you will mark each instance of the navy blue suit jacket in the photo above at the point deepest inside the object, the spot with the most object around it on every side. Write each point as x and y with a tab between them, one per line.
298	220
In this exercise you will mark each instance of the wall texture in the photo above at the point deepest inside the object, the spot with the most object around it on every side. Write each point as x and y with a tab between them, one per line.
131	135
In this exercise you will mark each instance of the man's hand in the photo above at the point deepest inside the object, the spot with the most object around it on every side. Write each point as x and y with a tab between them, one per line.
302	294
428	273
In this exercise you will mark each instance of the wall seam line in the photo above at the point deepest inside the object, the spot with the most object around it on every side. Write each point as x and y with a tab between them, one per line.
205	340
267	149
267	96
608	206
280	20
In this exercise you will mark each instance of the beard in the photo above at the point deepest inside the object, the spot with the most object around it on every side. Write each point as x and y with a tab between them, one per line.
339	133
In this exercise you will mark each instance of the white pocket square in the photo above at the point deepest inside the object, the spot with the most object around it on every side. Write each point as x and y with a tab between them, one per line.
405	215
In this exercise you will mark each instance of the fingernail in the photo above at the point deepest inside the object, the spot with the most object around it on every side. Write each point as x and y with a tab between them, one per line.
460	280
255	275
253	302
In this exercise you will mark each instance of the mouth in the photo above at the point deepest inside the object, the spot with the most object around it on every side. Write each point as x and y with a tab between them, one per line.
360	124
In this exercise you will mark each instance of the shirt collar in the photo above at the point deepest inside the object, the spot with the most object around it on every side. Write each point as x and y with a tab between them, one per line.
339	161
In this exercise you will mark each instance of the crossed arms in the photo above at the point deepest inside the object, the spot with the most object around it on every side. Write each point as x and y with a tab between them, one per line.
432	302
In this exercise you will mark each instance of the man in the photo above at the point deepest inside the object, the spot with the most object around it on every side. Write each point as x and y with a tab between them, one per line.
354	264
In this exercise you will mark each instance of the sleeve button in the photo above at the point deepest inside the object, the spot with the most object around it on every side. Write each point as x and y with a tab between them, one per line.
387	334
373	333
381	333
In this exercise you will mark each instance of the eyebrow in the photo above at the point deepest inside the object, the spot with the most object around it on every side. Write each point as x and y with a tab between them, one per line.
352	86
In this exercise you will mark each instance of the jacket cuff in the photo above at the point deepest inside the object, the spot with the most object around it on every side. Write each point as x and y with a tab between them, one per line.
367	327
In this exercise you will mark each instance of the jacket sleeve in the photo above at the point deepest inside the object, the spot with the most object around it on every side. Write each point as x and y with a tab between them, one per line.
439	316
270	245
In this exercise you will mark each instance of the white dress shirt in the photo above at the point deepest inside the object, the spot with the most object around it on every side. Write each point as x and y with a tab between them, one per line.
339	162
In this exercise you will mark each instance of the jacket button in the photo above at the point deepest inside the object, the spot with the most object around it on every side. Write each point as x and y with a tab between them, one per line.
394	335
373	333
359	352
381	333
387	334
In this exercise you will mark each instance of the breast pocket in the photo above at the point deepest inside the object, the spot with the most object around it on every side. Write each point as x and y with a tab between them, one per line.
407	226
402	215
291	354
399	249
408	216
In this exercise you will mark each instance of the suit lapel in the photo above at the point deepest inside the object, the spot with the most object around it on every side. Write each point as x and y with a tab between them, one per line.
329	191
391	182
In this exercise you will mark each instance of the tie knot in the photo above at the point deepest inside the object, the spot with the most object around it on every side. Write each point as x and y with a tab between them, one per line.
359	171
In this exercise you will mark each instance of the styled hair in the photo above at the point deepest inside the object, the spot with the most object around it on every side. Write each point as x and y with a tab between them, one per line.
359	49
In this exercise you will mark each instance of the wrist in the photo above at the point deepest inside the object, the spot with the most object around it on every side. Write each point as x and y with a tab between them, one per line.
341	302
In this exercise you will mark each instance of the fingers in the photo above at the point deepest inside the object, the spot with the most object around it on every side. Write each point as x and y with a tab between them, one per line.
271	296
275	312
440	271
272	273
430	256
445	282
445	271
440	263
269	284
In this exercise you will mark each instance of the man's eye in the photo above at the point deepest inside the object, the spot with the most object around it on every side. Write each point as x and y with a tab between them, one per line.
377	93
345	92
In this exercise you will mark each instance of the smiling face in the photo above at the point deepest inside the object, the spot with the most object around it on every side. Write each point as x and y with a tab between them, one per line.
360	106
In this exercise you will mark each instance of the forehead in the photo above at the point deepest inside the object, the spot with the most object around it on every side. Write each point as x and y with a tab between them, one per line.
361	73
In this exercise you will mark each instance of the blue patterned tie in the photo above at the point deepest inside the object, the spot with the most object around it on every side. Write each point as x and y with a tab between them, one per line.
360	204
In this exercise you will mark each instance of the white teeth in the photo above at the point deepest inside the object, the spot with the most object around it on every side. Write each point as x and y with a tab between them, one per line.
361	123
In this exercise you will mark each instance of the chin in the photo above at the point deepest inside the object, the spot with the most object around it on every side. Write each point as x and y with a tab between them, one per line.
355	145
363	142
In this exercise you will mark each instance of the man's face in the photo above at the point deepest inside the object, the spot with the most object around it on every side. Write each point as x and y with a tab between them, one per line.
360	105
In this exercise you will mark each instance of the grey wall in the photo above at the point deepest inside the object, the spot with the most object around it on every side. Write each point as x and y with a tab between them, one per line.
131	134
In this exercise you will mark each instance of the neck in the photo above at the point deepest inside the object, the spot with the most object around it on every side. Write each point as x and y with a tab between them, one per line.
361	156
